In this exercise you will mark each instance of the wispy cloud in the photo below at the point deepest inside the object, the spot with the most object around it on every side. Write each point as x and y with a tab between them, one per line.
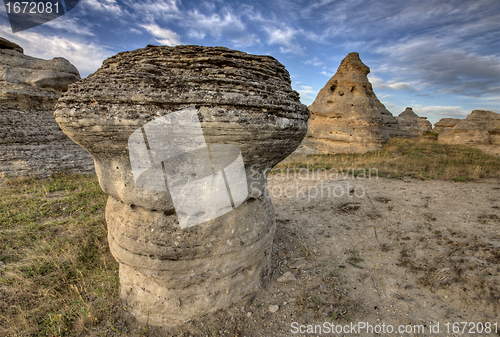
246	40
437	112
379	83
307	94
71	25
285	37
110	6
164	36
215	24
315	61
443	69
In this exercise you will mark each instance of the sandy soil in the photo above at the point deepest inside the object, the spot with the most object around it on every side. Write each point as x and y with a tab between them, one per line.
378	251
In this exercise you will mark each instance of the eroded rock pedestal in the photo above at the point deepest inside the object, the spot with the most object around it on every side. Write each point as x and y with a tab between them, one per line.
128	115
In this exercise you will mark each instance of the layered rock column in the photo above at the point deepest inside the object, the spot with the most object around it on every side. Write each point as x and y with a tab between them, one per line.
31	142
183	138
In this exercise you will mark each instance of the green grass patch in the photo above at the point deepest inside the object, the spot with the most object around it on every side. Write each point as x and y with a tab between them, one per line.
58	277
420	158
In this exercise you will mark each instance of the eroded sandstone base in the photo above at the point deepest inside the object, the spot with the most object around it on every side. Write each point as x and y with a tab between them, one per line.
170	275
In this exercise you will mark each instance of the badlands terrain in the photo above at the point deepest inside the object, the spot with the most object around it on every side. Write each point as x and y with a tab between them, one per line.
412	243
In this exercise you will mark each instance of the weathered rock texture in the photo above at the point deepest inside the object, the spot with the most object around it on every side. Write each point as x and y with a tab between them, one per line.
412	124
31	142
347	116
170	275
6	44
445	123
480	129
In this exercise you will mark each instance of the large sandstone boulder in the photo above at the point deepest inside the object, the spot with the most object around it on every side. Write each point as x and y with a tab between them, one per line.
445	123
412	124
183	138
346	116
31	142
480	128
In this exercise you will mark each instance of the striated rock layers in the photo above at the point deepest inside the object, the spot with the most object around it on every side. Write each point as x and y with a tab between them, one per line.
31	142
174	131
412	124
480	129
347	116
445	123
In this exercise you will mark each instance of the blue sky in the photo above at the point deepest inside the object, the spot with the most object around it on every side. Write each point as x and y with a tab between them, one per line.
440	57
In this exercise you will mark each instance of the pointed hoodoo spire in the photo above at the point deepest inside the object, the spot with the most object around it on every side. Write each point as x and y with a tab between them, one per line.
347	115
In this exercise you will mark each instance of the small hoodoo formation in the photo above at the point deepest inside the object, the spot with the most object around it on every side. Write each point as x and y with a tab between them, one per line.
347	115
31	142
183	138
412	124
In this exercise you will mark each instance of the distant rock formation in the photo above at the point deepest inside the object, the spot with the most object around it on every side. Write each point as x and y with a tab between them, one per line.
31	142
445	123
412	124
481	129
346	116
185	103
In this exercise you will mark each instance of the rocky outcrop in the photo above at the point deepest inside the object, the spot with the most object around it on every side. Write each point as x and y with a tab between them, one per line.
31	142
6	44
346	116
480	129
183	138
412	124
445	123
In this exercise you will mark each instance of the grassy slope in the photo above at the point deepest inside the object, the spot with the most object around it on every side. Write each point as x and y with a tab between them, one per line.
422	158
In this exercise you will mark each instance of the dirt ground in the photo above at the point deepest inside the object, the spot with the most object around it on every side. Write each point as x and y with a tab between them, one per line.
407	254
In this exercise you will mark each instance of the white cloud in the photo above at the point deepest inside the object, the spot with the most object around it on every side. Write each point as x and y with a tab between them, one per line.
215	24
307	94
436	112
162	35
246	40
110	6
285	37
379	83
315	61
71	25
149	10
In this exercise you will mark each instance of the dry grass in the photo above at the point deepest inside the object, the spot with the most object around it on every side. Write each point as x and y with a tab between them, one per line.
419	158
58	276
